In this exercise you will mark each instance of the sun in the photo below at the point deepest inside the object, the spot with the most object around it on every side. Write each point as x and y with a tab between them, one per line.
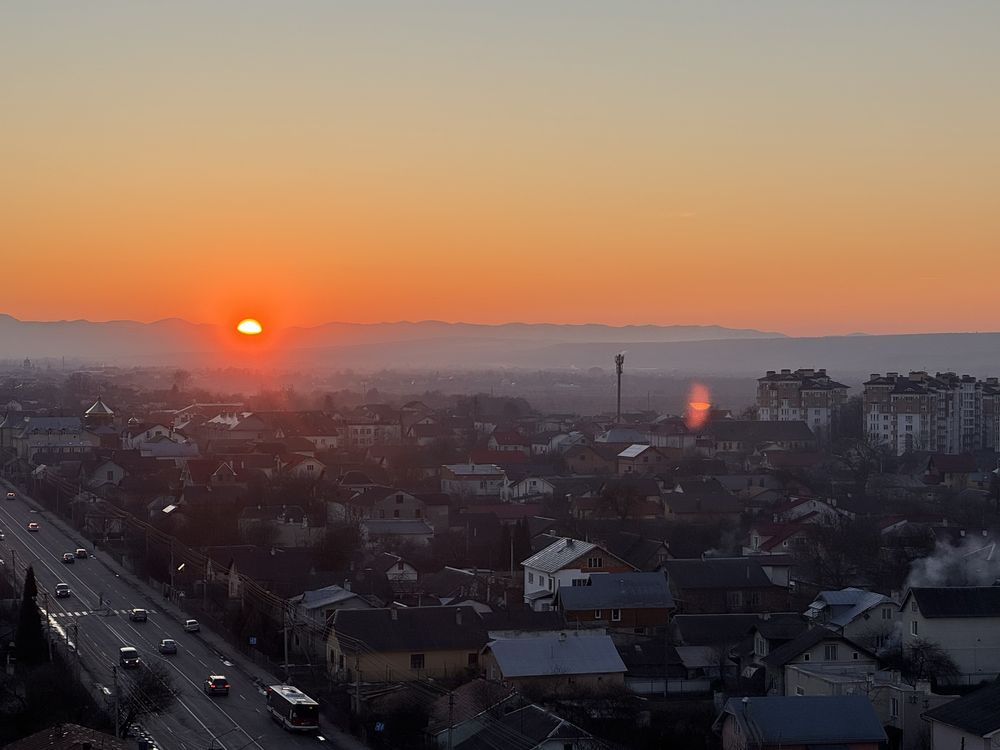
250	327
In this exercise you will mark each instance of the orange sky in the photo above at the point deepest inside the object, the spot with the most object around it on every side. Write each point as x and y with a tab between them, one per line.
809	168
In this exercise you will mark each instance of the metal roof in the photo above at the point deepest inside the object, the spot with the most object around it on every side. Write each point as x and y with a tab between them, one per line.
848	604
557	555
633	450
562	654
808	719
619	591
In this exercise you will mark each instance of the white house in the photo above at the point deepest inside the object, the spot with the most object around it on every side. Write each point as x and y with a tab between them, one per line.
565	562
971	722
866	617
963	620
473	479
530	487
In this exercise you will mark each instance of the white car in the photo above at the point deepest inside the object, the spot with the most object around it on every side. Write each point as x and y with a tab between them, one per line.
191	626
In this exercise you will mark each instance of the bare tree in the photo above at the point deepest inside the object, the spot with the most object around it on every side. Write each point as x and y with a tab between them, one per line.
921	659
623	499
148	690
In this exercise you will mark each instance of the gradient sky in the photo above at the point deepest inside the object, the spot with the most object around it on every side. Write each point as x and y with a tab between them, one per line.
810	167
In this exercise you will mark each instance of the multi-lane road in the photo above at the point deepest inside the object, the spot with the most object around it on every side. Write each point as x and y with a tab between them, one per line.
95	618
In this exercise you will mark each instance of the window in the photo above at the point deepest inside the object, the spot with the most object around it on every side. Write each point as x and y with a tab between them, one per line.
639	631
616	615
734	599
894	708
806	656
754	597
597	614
531	577
395	513
474	659
854	655
913	628
886	613
830	652
417	513
595	562
111	475
399	499
416	661
580	581
799	691
400	565
550	584
913	606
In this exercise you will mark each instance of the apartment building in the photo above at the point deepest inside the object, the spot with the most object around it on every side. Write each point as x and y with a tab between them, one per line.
941	413
803	395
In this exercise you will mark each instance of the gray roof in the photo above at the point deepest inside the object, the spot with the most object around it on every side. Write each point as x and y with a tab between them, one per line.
411	629
808	719
563	654
323	597
755	433
805	641
848	604
54	424
721	572
619	591
557	555
977	713
634	450
524	729
957	601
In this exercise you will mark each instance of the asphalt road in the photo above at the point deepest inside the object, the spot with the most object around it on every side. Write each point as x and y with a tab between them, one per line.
196	720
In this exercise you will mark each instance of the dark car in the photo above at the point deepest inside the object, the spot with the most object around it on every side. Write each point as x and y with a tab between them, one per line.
128	657
217	684
69	558
138	615
62	590
168	646
81	553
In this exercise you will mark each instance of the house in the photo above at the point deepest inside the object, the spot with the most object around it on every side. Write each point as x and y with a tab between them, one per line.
972	721
630	602
560	564
503	440
637	550
641	459
298	466
702	508
729	585
54	435
404	643
400	572
473	479
558	663
282	525
278	570
656	668
899	705
530	486
315	609
746	436
385	503
136	433
596	458
866	617
781	536
818	648
963	620
845	722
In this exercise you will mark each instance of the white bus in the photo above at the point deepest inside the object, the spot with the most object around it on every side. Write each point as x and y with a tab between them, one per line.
292	708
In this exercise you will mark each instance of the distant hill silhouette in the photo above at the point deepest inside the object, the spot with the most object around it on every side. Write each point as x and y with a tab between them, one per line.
684	350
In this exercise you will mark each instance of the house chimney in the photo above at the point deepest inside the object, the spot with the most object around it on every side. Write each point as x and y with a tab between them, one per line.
961	532
347	584
394	613
458	616
562	637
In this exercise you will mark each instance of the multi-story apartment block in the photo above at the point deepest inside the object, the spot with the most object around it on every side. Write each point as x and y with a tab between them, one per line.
942	413
805	395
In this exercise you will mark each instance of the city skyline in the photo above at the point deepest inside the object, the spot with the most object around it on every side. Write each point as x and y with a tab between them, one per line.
809	168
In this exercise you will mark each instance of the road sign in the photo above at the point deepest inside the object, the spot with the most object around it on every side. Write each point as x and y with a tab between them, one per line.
253	640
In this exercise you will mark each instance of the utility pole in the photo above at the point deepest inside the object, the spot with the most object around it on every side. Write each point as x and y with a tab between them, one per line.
114	671
619	367
76	646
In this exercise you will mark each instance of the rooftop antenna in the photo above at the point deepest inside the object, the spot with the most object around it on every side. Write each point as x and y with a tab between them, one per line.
619	366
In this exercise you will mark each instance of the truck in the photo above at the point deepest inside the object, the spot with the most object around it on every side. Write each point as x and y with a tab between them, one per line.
292	708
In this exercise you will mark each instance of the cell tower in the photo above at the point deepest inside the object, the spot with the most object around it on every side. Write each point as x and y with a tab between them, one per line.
619	366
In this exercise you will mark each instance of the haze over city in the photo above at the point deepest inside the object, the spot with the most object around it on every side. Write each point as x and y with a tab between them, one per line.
571	375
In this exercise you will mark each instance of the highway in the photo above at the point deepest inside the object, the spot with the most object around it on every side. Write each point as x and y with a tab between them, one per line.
195	720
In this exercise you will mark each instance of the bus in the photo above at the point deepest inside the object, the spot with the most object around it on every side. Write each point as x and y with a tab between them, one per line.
292	708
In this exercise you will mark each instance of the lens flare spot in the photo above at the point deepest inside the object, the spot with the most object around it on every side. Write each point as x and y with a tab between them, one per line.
250	327
699	404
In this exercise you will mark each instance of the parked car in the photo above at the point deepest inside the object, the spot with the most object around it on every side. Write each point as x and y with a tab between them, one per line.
191	626
62	590
217	684
128	657
69	558
81	553
138	615
168	646
33	526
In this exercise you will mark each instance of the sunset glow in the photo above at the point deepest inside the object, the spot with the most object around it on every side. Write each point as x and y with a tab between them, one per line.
699	404
534	155
249	327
